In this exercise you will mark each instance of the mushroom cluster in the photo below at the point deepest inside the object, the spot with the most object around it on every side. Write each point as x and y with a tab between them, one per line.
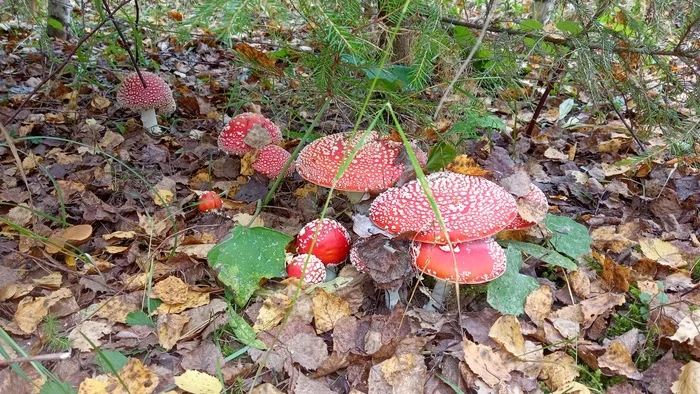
248	131
322	245
473	210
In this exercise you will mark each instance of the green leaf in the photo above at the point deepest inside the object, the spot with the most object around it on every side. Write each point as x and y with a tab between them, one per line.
248	256
463	35
139	318
508	292
244	332
547	255
529	42
55	23
110	357
490	122
531	24
570	238
57	387
440	155
569	27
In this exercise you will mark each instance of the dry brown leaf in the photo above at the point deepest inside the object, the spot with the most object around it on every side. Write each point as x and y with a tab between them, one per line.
117	308
31	311
404	373
119	235
272	312
552	153
96	385
615	276
152	226
93	330
538	304
247	163
580	283
244	219
559	370
138	378
596	306
116	249
688	328
194	299
171	290
163	198
19	215
506	332
308	350
484	362
617	360
328	309
199	251
305	190
689	380
662	252
573	388
608	238
463	164
50	281
169	329
15	291
100	102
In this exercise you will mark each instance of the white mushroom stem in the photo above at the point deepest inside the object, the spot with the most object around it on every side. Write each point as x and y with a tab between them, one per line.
148	118
392	298
355	197
440	292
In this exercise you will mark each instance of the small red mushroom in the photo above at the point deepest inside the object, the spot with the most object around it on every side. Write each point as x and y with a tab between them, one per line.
534	205
477	261
231	138
209	201
155	96
356	261
374	167
471	208
332	241
271	160
315	270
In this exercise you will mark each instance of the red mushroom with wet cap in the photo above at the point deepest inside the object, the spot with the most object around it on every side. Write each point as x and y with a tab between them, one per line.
232	138
533	205
155	96
471	208
374	167
315	270
332	241
271	160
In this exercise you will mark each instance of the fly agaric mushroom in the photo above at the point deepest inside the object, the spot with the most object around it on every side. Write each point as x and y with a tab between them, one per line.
209	201
315	270
533	206
471	208
355	259
472	262
374	167
271	160
332	241
232	138
155	96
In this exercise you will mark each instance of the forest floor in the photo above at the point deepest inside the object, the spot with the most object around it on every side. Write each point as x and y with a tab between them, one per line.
141	310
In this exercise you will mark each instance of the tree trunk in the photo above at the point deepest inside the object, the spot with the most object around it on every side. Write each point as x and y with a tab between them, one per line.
59	18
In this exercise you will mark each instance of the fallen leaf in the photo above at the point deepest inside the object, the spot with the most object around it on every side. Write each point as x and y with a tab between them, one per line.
618	360
689	380
117	308
552	153
193	300
137	377
119	235
171	290
403	373
328	309
163	197
196	382
308	350
463	164
484	362
506	332
93	330
244	219
538	304
74	235
573	388
662	252
688	328
593	307
559	370
31	311
169	329
50	281
615	276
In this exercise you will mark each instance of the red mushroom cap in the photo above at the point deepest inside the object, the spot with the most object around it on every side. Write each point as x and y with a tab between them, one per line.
471	207
355	259
478	261
271	160
332	242
373	168
231	137
315	270
534	205
157	93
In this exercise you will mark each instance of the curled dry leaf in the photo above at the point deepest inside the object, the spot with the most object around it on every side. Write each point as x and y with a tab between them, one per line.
618	361
538	304
689	380
688	328
484	362
328	309
615	276
506	332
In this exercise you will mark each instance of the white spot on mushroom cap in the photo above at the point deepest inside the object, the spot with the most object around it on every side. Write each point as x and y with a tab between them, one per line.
157	93
271	160
471	208
315	270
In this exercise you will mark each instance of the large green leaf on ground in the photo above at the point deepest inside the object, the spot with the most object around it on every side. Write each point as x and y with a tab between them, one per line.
247	257
508	292
549	256
570	237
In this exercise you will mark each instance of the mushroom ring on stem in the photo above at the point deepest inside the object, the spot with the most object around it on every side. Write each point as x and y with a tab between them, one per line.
155	96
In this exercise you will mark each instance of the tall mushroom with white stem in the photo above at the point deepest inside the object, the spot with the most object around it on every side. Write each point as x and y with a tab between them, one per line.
146	100
471	208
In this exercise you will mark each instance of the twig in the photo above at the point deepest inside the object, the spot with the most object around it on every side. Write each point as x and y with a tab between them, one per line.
686	32
489	15
628	126
125	44
40	357
543	99
65	62
567	42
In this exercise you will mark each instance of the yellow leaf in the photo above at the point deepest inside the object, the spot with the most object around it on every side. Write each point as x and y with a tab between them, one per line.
538	304
119	235
100	102
50	281
115	249
164	197
117	308
247	163
484	362
31	311
138	378
170	329
93	330
465	165
689	380
171	290
243	219
196	382
506	332
662	252
194	299
328	309
94	386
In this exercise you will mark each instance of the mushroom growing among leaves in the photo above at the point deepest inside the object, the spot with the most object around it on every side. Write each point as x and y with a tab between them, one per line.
247	131
155	96
532	209
315	270
332	241
374	168
271	160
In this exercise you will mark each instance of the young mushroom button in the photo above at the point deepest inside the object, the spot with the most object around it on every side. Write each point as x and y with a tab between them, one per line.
155	96
471	208
315	270
332	241
232	137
